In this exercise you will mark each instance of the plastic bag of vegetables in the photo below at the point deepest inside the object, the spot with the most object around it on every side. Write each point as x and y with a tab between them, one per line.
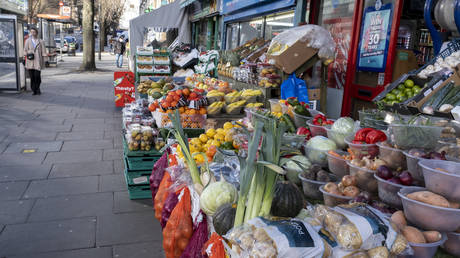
261	237
179	229
214	247
358	226
341	128
169	205
161	195
199	238
157	174
216	194
316	149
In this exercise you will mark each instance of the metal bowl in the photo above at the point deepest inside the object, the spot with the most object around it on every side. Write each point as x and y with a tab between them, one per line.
426	216
311	187
393	157
362	150
388	192
452	245
364	178
446	184
337	166
332	200
413	167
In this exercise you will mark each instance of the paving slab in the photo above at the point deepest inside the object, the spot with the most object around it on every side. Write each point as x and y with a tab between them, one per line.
83	121
112	154
48	127
62	186
87	145
97	252
131	228
74	206
122	203
20	159
34	238
37	146
88	127
13	212
81	169
3	145
12	190
112	183
109	134
19	173
118	142
73	156
153	249
37	136
83	135
118	166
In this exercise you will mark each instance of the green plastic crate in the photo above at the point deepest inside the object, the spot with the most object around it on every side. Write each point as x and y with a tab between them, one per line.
139	192
137	177
141	163
150	153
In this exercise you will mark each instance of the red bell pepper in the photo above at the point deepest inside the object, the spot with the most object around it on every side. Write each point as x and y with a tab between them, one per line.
304	131
375	136
319	119
362	133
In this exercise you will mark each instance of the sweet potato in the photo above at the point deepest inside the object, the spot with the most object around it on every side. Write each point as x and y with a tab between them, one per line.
413	235
432	236
429	198
454	205
399	219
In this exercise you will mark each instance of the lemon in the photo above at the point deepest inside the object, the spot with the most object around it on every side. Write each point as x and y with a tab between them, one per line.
228	125
203	138
195	141
199	158
220	131
215	143
228	137
211	132
219	137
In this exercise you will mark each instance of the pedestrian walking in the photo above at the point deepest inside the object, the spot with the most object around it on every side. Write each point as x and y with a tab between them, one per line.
120	47
34	55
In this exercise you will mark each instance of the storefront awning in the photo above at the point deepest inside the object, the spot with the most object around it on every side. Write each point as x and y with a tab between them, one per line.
185	3
55	17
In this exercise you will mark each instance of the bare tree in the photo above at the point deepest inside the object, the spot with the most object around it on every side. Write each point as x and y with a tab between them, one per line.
36	7
110	12
89	62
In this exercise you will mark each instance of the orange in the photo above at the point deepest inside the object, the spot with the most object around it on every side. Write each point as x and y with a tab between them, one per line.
179	92
203	111
169	98
186	91
181	110
165	105
174	103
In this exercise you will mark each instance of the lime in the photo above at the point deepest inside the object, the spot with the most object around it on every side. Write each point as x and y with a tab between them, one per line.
390	96
401	97
409	83
396	91
408	91
416	90
401	87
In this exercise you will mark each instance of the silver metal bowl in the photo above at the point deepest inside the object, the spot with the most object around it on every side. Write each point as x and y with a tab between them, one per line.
446	184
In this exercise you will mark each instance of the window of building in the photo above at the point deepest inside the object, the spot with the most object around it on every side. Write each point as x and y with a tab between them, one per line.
275	24
251	29
232	35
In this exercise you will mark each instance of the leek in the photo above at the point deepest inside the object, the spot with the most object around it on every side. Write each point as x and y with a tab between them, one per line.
183	142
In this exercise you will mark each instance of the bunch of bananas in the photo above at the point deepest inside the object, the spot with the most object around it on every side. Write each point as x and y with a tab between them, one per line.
232	97
215	93
255	105
215	107
235	107
251	93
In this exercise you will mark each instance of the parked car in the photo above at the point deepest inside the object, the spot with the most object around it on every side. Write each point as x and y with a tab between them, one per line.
72	40
65	46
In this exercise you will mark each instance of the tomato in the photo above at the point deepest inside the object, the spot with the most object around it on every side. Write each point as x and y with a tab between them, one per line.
361	134
375	136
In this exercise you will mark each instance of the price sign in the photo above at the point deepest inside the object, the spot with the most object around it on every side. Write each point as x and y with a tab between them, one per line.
375	37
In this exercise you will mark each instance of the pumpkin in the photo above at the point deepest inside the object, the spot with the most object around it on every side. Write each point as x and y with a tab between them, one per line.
287	200
224	218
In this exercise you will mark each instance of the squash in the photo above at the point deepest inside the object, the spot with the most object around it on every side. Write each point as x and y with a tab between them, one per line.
287	200
224	218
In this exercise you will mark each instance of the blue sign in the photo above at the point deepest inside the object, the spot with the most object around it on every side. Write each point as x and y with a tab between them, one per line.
375	38
258	10
235	5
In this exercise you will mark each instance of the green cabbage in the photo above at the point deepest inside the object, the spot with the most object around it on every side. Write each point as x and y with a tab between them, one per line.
293	168
343	125
319	146
216	194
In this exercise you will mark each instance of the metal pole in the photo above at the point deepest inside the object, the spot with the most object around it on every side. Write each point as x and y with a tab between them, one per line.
62	42
100	31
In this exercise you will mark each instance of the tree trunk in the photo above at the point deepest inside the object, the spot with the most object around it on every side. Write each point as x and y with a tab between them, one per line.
101	38
89	62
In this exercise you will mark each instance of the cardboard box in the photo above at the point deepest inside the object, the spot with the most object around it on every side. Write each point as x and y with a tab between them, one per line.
293	57
404	62
314	94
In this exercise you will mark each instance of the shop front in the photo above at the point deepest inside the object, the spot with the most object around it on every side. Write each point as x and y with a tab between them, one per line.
12	71
205	19
246	20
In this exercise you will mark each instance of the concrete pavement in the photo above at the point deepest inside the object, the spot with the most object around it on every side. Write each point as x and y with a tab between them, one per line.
62	191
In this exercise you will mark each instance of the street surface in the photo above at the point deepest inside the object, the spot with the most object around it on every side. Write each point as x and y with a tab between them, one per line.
62	190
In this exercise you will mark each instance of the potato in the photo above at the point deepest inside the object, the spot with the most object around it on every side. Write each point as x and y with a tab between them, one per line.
399	219
348	180
349	237
399	245
413	235
378	252
454	205
432	236
357	254
429	198
351	191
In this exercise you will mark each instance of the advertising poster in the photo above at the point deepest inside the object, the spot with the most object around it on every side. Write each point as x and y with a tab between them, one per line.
7	43
375	37
124	90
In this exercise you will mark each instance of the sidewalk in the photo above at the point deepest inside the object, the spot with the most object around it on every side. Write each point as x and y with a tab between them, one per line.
67	197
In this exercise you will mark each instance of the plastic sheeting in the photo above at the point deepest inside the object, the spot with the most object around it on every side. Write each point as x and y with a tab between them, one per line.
168	17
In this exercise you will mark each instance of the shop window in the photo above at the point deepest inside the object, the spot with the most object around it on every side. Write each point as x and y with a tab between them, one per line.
203	33
232	36
251	29
276	24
